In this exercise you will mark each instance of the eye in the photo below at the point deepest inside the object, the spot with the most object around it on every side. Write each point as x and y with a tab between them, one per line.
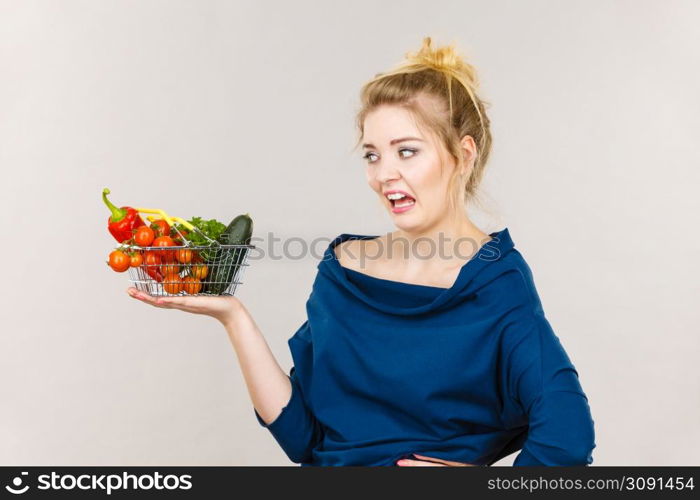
411	150
366	157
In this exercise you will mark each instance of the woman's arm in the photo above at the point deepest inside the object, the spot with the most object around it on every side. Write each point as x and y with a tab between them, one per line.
277	399
268	385
544	383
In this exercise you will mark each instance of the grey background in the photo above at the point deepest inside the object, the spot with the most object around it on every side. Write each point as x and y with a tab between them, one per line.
215	108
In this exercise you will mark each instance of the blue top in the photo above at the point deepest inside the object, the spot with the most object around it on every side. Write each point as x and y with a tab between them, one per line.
471	373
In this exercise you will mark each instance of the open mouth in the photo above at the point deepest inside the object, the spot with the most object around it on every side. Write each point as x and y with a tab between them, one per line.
400	200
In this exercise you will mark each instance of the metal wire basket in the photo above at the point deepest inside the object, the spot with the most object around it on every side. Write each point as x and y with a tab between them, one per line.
209	270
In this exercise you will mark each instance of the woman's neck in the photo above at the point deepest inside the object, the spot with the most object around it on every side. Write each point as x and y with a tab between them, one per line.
444	240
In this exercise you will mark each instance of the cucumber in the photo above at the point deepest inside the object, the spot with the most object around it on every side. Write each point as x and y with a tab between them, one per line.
226	262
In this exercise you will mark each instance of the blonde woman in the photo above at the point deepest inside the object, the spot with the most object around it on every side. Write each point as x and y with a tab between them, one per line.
426	346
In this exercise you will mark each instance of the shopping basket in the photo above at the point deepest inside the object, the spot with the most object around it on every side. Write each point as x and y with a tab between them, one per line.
213	269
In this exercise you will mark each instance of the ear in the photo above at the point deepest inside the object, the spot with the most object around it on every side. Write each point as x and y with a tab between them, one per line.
469	147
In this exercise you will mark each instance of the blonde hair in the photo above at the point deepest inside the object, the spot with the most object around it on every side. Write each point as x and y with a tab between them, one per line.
430	74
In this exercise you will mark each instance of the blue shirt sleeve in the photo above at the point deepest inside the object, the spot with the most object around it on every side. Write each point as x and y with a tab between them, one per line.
545	384
296	429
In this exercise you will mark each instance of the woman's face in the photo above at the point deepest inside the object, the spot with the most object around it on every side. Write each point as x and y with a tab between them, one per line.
411	166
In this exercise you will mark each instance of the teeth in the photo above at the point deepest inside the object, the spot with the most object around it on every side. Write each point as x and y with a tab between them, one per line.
395	196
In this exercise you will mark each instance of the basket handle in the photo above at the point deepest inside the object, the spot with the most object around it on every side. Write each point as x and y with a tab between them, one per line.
165	216
169	219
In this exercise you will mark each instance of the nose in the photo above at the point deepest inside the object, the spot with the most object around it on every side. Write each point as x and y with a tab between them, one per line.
386	172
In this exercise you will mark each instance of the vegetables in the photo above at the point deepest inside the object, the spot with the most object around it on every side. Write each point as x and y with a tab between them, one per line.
227	261
191	285
176	236
152	263
182	256
239	231
123	220
119	261
171	283
160	227
212	228
144	236
199	271
136	259
170	268
165	241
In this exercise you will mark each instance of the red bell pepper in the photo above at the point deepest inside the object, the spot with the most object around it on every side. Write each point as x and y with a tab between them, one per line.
152	266
123	221
154	272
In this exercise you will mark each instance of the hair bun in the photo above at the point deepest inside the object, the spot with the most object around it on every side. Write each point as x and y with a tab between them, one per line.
445	59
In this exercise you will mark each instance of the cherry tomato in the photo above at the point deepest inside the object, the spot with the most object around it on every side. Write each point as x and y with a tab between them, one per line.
136	259
191	285
119	261
179	239
165	241
160	227
152	260
199	271
144	236
172	283
170	268
184	256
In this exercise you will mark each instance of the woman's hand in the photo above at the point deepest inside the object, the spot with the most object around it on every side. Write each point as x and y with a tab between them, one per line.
220	308
430	462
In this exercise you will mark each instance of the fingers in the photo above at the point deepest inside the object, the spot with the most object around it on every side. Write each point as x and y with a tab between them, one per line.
183	303
150	299
418	463
430	462
143	297
172	301
440	460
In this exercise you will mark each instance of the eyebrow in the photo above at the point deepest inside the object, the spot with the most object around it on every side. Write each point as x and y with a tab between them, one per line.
395	141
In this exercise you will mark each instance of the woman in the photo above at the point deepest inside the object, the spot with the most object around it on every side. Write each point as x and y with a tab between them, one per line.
407	358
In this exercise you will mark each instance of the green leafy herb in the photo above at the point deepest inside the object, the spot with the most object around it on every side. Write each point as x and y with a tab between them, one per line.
212	228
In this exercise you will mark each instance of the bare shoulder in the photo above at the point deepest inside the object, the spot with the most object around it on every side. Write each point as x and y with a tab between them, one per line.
347	252
350	252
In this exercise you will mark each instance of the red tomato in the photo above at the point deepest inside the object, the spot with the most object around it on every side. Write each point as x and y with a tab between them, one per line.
184	256
191	285
144	236
119	261
179	239
152	263
160	227
165	241
152	259
172	283
170	268
199	271
136	259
